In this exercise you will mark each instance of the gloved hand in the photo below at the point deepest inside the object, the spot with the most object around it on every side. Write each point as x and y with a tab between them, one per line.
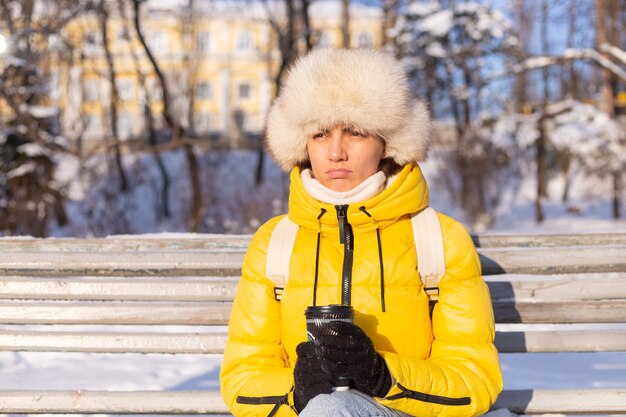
309	378
350	353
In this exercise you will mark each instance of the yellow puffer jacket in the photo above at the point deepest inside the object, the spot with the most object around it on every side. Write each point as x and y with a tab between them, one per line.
447	368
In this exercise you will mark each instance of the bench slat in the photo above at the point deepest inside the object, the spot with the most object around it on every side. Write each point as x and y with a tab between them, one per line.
166	313
112	402
112	342
228	261
120	289
192	343
561	341
562	287
558	260
212	241
217	313
507	287
575	401
586	311
589	401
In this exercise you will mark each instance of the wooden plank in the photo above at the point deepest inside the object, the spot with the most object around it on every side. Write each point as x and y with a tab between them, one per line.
574	401
121	289
220	262
214	342
609	311
557	260
498	240
218	313
112	342
189	263
502	287
112	402
130	243
114	313
561	341
213	241
562	287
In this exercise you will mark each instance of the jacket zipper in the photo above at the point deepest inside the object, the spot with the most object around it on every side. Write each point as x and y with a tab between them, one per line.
277	400
429	398
347	239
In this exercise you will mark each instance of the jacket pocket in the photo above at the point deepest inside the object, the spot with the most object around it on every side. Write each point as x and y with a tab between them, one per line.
429	398
277	400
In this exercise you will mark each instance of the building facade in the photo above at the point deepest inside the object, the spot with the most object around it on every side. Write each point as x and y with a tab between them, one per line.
220	60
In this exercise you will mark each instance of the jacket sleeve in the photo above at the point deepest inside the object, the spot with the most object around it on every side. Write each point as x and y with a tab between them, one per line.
462	376
255	374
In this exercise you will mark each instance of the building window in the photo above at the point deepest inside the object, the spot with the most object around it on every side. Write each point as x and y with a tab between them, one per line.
92	124
203	90
125	89
203	42
244	91
364	40
91	42
125	122
245	41
91	90
324	39
202	122
157	42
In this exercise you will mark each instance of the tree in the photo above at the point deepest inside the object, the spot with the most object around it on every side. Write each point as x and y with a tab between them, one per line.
103	17
448	53
31	143
176	129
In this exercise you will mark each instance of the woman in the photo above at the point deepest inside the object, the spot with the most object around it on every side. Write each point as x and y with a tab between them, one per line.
346	126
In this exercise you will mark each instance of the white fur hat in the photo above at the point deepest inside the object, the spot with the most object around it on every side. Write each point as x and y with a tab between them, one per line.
359	88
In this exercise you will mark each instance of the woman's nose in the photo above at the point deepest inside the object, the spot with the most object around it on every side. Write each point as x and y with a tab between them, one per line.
336	148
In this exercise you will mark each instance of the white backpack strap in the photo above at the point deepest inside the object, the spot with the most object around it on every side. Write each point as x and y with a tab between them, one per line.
279	254
431	262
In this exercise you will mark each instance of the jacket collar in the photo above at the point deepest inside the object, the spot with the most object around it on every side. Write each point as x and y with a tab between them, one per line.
407	194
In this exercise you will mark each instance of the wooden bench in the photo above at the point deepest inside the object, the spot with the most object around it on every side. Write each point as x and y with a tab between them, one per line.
191	280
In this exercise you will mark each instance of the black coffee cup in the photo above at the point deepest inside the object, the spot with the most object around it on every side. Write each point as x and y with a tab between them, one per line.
317	319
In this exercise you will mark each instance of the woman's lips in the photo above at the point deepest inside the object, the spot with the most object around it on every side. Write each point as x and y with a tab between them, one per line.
338	173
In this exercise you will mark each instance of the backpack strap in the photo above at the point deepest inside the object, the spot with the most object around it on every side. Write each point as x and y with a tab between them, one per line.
279	254
431	262
428	245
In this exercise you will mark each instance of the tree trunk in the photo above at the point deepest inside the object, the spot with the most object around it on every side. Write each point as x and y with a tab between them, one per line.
617	191
607	90
149	123
345	24
306	23
113	101
177	130
287	42
520	79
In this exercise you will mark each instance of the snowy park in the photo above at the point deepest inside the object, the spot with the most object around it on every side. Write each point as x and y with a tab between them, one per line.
134	150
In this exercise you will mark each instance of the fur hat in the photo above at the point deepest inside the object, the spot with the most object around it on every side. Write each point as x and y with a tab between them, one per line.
362	89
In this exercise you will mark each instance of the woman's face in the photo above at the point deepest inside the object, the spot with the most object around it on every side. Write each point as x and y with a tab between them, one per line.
341	158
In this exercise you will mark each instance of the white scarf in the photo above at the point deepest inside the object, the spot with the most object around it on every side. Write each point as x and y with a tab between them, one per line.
365	190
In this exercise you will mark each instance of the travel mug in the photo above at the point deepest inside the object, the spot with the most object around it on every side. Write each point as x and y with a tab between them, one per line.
317	319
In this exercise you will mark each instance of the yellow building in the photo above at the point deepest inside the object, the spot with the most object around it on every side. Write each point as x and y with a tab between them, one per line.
225	53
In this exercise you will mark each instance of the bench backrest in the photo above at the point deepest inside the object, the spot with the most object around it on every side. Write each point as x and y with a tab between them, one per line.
191	281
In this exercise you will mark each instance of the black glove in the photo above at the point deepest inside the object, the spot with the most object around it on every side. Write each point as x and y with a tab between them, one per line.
309	378
350	353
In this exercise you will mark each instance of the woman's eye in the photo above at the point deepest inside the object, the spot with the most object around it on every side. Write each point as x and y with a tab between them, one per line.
319	135
355	133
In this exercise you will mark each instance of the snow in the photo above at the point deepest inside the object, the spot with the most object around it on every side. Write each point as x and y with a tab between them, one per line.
438	24
33	149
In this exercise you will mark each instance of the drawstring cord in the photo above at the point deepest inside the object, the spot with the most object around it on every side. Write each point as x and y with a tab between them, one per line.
317	254
380	259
